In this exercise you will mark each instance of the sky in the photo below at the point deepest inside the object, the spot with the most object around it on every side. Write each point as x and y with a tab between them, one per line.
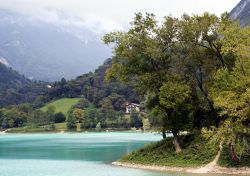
108	15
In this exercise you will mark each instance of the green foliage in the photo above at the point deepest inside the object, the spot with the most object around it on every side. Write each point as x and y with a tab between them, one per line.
60	117
37	118
196	152
169	62
173	94
93	89
136	120
78	114
91	117
25	115
82	104
231	93
71	122
107	98
30	129
51	113
10	79
194	72
13	117
90	86
226	161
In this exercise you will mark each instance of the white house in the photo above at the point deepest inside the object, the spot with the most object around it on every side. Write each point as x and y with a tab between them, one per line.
132	107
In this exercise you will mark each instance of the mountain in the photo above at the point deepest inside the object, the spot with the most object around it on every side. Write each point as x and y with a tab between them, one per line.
241	12
48	51
10	78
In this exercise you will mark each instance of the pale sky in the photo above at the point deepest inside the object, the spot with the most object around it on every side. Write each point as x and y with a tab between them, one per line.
108	15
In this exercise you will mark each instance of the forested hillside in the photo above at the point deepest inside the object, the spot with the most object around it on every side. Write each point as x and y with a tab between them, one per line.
100	102
11	79
91	86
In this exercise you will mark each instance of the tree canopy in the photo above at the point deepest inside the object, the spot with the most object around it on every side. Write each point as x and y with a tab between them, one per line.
192	71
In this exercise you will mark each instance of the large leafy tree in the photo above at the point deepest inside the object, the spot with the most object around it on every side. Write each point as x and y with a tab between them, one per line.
231	92
172	64
199	54
143	57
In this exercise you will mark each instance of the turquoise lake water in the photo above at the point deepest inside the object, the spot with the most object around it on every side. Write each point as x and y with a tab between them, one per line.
71	154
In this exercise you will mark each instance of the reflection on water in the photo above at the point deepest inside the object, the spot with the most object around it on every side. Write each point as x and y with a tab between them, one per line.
81	146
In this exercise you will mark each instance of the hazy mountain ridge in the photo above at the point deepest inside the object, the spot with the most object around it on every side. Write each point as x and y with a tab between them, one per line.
241	12
46	51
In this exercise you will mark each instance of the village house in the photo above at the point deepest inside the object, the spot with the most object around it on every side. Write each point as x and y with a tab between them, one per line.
132	107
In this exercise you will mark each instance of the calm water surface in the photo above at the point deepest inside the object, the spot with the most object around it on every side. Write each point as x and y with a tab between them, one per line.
76	154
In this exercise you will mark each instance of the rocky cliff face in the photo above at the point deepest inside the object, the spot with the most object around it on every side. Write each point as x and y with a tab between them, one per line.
241	12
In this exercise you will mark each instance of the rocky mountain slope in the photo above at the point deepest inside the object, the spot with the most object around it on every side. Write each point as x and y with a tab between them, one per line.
46	51
241	12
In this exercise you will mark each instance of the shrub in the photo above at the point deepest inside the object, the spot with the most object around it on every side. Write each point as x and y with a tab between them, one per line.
59	117
71	122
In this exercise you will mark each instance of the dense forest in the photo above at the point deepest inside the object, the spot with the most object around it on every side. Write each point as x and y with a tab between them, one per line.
91	86
193	73
10	79
100	102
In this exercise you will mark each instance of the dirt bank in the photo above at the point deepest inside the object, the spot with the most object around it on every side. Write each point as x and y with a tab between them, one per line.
205	169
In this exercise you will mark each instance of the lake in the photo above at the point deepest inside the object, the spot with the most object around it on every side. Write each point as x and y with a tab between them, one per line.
71	154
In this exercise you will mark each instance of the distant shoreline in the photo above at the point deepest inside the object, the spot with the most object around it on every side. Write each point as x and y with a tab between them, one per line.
202	170
43	130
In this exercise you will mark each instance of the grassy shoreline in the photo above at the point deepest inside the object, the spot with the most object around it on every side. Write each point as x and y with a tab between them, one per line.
61	127
196	157
196	170
195	153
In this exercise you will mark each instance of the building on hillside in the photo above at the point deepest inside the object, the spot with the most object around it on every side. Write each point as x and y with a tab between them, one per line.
132	107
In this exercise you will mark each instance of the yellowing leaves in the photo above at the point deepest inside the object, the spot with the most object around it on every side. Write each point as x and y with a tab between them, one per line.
173	94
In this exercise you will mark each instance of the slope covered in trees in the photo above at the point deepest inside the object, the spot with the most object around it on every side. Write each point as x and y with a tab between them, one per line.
11	79
100	102
91	86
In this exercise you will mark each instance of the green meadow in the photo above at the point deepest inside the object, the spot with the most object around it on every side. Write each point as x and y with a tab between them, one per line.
62	105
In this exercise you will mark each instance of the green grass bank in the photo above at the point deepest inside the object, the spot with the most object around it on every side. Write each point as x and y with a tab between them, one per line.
196	152
62	105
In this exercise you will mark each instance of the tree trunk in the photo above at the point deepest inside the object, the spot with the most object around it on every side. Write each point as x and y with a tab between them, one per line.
176	142
164	133
211	106
232	154
200	85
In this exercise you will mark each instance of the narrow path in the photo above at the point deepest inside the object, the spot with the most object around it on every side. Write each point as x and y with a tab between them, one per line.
3	132
211	167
